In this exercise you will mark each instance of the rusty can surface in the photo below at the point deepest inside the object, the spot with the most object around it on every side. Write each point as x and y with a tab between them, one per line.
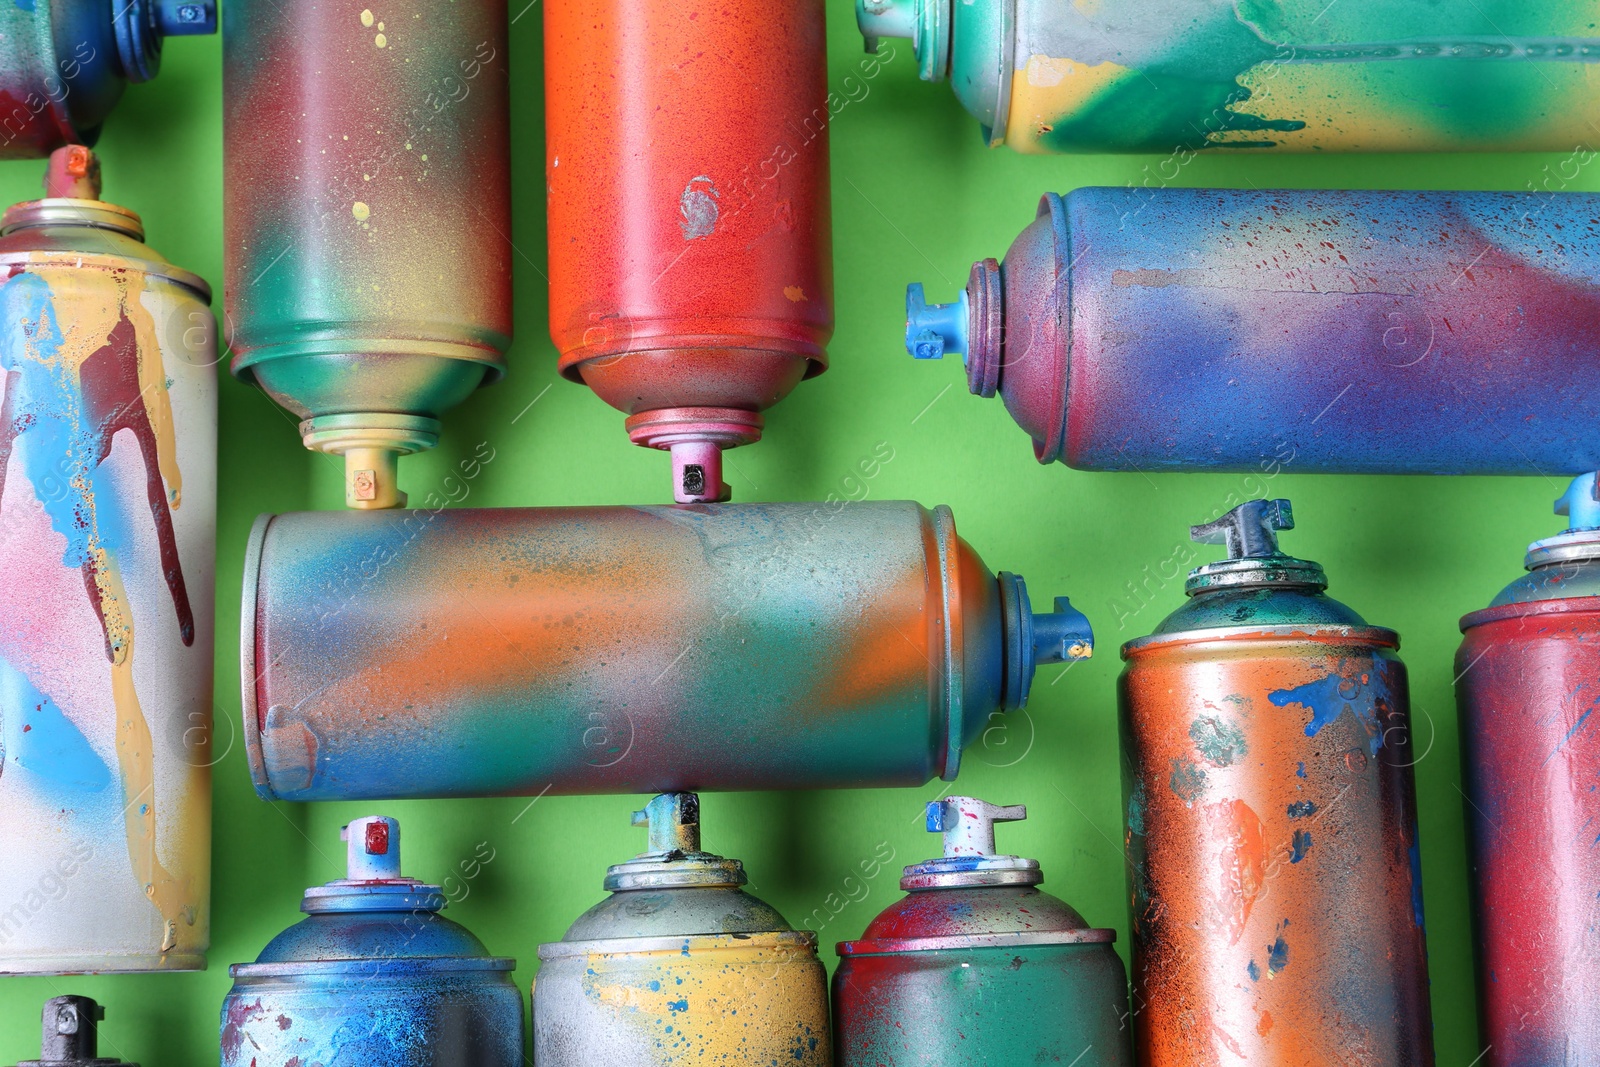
367	218
373	976
691	277
469	652
680	966
1271	822
1526	694
977	965
108	437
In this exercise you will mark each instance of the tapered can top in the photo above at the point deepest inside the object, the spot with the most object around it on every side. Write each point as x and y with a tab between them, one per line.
70	1035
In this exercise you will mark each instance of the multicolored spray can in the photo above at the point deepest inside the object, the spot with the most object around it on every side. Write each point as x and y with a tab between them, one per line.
108	452
65	63
1526	690
977	965
70	1035
691	274
680	966
1271	822
373	976
1355	332
1178	76
490	652
368	218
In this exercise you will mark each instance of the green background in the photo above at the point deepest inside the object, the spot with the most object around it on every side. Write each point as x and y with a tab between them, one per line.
916	197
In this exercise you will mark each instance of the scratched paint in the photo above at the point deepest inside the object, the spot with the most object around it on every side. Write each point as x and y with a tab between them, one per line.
691	282
107	497
1181	76
1332	332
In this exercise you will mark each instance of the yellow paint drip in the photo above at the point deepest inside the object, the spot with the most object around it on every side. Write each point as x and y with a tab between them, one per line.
366	18
1045	89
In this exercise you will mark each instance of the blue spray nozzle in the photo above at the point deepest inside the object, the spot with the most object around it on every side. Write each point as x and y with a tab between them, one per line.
1061	636
1581	503
185	18
934	329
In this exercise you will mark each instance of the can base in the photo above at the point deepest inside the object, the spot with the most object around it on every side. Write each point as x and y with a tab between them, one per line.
103	963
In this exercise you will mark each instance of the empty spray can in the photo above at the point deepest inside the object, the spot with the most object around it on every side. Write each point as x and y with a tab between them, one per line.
108	430
1178	76
65	63
617	649
367	218
1330	332
373	976
1271	821
680	965
70	1035
977	965
1526	690
691	276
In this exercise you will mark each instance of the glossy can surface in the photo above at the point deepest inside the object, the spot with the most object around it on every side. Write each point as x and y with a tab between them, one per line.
367	214
1338	332
616	649
107	541
1292	75
374	977
691	281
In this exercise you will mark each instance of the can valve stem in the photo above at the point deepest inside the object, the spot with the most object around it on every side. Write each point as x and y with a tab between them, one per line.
1250	531
1581	503
967	823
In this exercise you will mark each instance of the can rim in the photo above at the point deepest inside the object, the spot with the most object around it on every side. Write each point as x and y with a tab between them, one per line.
154	268
946	942
1554	606
247	656
1324	634
373	966
684	944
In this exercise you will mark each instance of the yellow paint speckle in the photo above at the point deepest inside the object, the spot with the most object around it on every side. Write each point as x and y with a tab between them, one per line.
360	210
408	146
366	18
380	25
381	41
424	157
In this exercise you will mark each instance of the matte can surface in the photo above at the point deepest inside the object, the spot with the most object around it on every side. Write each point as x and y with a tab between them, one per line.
1339	332
584	650
1178	76
107	543
691	281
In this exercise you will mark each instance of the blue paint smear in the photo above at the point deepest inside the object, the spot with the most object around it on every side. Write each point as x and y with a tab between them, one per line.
1188	781
1302	809
24	5
1415	853
39	738
1330	697
1299	846
1278	952
1254	970
676	1006
1300	771
1136	802
1577	726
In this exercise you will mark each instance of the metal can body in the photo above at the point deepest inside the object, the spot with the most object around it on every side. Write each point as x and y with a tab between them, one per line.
1338	332
107	539
1525	678
654	1002
368	211
1185	75
690	237
617	649
1271	829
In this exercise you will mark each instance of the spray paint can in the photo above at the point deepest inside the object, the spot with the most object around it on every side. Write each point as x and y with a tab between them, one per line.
1337	332
70	1035
1525	689
1180	76
691	276
495	652
1271	821
367	218
65	63
680	965
107	533
373	976
977	965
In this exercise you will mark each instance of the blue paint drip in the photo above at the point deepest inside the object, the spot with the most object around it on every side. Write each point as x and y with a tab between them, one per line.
1299	846
1254	971
42	740
1415	854
1330	697
1278	953
1300	771
1302	809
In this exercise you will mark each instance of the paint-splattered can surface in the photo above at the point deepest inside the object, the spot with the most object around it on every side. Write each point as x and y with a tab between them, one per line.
367	216
978	966
1526	694
680	966
373	977
466	652
1177	76
65	63
691	281
1271	823
107	538
1333	332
